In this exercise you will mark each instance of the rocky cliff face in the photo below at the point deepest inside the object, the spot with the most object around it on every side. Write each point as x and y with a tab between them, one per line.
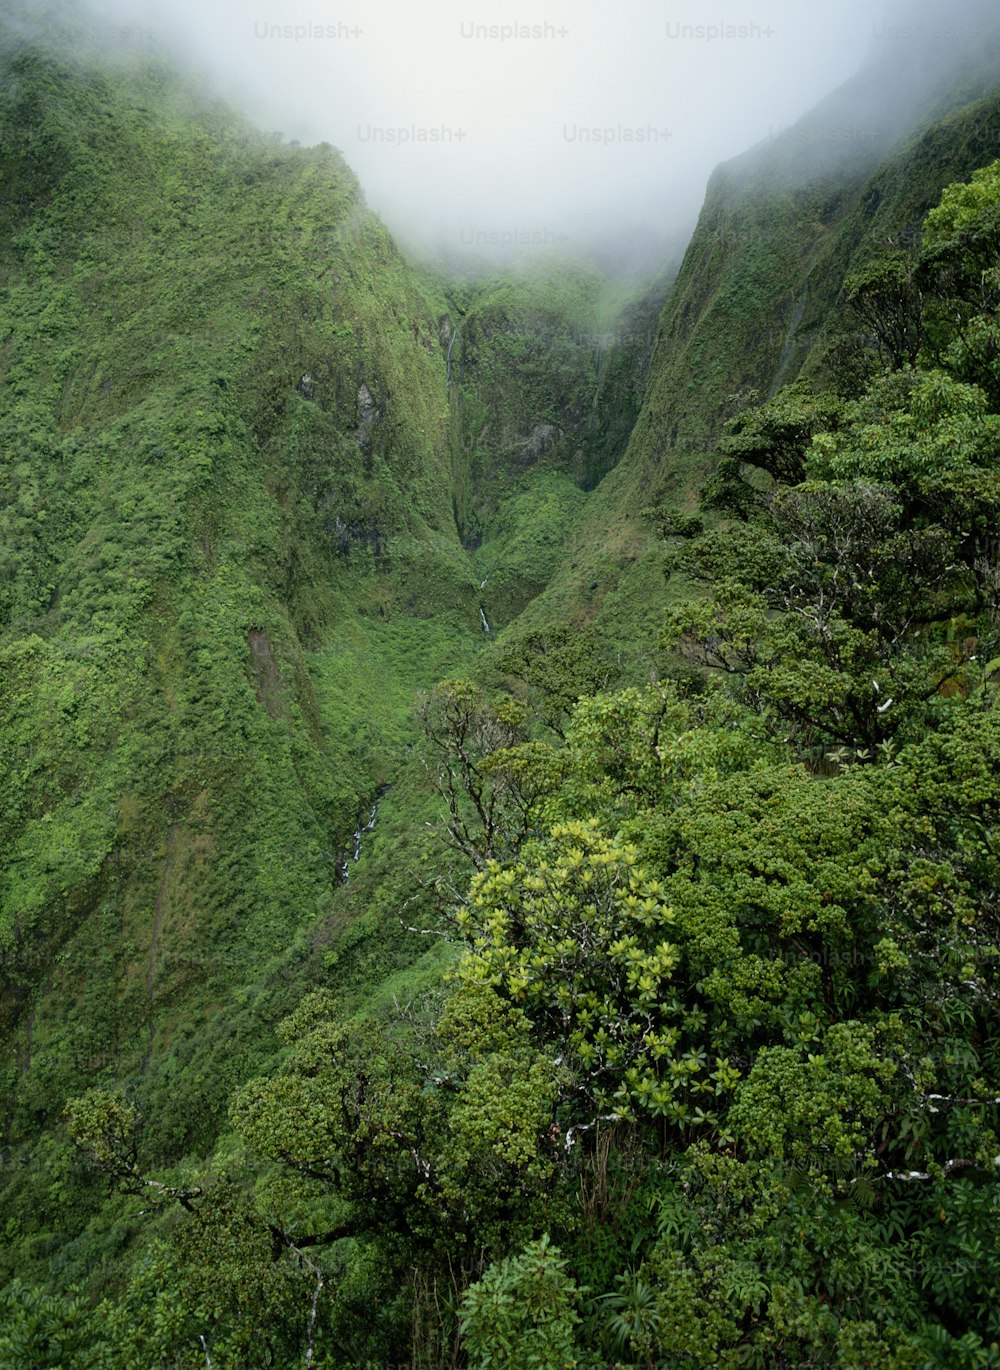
547	373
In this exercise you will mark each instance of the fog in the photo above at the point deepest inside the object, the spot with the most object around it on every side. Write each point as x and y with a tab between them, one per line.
482	126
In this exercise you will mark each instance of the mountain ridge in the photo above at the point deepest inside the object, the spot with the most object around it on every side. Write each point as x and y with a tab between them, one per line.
268	482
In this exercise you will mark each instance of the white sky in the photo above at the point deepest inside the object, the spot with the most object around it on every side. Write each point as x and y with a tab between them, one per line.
510	159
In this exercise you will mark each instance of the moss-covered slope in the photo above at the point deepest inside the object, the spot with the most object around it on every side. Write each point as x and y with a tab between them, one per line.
262	482
760	294
547	369
227	527
237	473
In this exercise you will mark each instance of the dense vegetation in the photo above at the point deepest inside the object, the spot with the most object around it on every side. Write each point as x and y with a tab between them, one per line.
649	1015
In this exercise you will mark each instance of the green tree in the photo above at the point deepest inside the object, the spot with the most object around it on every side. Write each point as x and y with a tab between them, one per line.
767	443
961	277
887	298
522	1314
477	746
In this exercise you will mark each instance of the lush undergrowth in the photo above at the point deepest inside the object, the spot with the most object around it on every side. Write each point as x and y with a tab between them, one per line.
702	1069
229	561
226	442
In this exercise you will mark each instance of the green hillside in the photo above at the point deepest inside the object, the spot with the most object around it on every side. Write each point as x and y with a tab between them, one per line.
230	560
497	774
759	296
547	369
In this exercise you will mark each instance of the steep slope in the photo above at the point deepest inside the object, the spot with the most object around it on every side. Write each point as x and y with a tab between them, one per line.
237	474
782	227
547	368
227	527
759	293
243	444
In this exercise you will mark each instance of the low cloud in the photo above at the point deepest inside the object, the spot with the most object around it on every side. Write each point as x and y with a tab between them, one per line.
494	126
